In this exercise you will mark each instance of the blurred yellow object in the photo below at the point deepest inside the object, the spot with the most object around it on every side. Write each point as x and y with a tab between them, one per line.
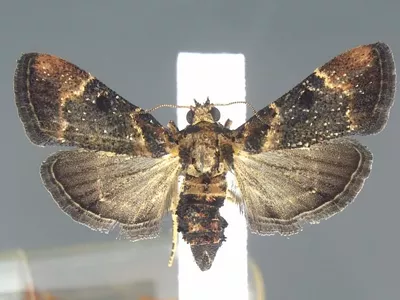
115	270
31	294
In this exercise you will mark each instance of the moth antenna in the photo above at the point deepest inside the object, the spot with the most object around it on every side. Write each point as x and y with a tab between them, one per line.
161	106
242	102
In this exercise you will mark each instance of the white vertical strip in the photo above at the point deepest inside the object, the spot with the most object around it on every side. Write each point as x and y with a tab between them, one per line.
15	275
10	278
221	77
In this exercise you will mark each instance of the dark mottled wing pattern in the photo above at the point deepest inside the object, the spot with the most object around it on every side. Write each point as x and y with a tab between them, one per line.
125	174
59	103
101	189
351	94
283	189
292	161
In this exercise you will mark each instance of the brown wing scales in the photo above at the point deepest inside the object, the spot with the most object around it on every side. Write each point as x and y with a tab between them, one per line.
59	103
101	189
283	189
292	162
351	94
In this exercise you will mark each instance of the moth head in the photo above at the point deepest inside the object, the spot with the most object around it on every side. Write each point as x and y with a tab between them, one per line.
206	112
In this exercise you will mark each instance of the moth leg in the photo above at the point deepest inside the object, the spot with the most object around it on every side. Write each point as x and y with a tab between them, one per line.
173	207
174	240
228	124
173	128
233	196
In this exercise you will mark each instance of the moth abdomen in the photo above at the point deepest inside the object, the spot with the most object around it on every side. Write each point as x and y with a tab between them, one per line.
199	219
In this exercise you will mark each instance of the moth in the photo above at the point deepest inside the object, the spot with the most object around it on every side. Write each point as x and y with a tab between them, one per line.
294	161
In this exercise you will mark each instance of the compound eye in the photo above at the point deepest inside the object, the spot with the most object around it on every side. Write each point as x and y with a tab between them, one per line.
190	116
215	114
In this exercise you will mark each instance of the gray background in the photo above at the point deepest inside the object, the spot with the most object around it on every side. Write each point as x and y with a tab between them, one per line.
133	49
